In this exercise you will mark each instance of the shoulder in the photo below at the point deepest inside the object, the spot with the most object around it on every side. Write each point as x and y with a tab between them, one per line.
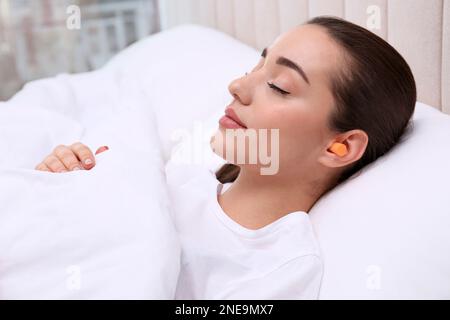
298	237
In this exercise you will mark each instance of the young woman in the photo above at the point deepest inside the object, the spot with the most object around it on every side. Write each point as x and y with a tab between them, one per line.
340	97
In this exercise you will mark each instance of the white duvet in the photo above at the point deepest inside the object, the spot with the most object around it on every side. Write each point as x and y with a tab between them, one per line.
106	233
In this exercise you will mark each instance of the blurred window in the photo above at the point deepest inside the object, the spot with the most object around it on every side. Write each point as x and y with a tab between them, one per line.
41	38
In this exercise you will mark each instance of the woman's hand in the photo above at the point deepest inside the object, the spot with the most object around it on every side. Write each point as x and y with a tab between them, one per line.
70	158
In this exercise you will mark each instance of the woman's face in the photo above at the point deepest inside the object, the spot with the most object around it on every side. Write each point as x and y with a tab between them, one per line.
299	63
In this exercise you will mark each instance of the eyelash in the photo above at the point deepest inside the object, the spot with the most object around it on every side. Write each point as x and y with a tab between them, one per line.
274	87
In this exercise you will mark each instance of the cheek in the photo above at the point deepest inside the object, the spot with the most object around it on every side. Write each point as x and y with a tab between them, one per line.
299	127
300	134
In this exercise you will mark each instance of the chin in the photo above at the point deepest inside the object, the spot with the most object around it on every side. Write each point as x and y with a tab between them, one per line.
214	144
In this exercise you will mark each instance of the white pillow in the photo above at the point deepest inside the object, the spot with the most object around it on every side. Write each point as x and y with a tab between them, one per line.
383	234
106	233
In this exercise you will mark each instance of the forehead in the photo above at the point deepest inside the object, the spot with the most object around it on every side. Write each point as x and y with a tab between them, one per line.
312	48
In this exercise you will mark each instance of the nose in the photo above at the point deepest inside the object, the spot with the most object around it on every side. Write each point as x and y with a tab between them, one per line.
241	90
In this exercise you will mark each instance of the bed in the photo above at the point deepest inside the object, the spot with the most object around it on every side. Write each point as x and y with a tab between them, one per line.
97	235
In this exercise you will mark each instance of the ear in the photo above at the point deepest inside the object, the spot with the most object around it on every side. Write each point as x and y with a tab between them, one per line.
356	142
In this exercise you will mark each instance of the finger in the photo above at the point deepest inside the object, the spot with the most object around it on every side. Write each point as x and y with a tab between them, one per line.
42	167
101	149
67	157
84	154
55	164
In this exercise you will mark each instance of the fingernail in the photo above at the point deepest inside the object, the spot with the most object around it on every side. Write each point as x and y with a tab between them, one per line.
76	168
102	149
88	162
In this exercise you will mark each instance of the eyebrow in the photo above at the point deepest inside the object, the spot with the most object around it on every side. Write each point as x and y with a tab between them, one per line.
282	61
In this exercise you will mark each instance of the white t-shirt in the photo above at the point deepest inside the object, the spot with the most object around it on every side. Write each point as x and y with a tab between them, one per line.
223	260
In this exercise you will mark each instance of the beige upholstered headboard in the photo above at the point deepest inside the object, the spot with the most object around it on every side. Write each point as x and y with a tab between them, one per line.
419	29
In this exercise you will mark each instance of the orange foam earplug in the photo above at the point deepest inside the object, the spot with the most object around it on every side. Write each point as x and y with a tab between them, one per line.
339	148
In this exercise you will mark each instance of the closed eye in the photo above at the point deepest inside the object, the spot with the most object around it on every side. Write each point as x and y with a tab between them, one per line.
279	90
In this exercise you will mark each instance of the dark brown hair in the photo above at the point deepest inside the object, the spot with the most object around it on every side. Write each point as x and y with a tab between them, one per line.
375	92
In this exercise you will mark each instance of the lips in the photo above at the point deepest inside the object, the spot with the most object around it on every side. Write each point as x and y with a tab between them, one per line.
231	120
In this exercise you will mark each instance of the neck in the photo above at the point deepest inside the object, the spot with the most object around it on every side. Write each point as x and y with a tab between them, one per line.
255	200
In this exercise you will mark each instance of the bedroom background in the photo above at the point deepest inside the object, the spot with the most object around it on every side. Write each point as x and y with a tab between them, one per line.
41	38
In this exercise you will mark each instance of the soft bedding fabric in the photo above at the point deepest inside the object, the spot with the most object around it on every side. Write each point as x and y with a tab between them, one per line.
106	233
